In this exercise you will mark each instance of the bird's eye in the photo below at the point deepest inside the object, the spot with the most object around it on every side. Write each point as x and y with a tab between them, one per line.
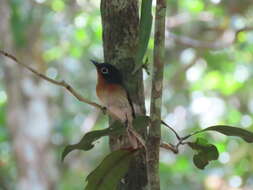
104	70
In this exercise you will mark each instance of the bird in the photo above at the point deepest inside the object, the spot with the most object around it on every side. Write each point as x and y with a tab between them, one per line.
115	97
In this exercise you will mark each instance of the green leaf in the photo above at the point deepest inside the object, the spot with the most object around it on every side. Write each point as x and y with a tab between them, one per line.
200	161
205	152
141	122
20	21
193	6
144	32
58	5
231	131
86	143
110	171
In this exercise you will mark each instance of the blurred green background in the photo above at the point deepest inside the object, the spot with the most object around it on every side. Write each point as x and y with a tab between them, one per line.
208	81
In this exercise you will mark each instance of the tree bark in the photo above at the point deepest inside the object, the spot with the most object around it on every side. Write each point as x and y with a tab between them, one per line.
120	22
154	136
28	117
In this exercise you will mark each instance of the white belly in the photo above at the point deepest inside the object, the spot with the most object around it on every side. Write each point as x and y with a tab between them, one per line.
117	106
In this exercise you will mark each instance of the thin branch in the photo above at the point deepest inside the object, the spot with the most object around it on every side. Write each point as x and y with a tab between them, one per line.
58	83
173	130
227	39
175	148
181	140
170	147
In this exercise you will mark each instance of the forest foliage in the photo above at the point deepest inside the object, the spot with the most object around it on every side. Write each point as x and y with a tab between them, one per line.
208	82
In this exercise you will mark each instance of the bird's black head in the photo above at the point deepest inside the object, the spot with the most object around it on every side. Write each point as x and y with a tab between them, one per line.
109	72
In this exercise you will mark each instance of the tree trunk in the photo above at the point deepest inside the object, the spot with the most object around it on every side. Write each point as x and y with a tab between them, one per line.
28	113
120	22
154	136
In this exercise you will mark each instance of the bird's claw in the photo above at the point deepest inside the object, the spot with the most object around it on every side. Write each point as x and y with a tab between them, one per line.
104	110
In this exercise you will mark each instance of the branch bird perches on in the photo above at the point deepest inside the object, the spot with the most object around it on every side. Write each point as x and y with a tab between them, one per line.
58	83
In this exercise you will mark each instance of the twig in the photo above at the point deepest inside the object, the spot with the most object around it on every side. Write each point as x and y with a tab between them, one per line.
173	130
173	148
181	140
169	147
59	83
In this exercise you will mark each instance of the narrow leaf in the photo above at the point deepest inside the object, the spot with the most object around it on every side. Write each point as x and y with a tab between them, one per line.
110	171
144	32
232	131
86	143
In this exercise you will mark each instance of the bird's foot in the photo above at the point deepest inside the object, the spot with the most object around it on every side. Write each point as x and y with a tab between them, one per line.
135	139
104	109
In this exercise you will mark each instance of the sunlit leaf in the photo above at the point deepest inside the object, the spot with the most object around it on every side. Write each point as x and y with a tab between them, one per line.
217	10
220	146
242	37
76	51
219	61
52	54
110	171
229	85
192	5
234	116
87	142
80	35
181	165
144	31
58	5
212	79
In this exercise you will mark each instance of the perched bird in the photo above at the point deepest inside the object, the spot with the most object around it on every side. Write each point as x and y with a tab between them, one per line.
114	96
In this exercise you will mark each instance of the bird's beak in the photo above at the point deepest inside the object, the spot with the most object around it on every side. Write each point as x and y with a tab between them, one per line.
95	63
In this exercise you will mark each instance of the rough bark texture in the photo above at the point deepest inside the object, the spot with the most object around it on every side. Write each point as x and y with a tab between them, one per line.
120	21
28	115
154	136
